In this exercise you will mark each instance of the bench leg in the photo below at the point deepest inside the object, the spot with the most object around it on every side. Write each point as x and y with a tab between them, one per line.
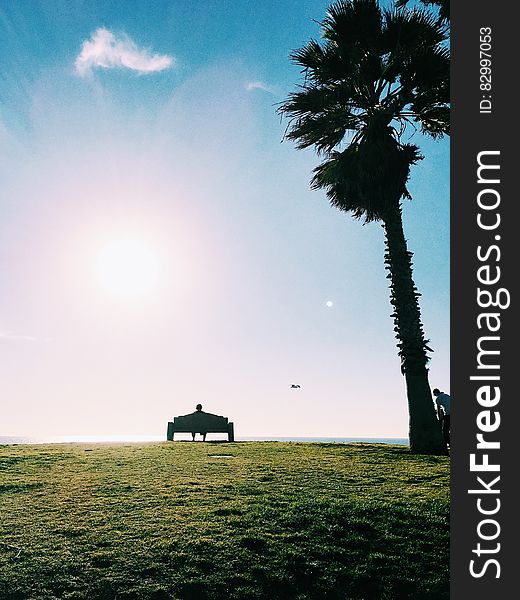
231	432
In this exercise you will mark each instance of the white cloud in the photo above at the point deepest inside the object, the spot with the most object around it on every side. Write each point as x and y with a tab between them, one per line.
105	50
9	335
260	85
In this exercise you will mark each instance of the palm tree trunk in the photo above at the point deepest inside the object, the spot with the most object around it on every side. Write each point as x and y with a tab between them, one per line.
425	431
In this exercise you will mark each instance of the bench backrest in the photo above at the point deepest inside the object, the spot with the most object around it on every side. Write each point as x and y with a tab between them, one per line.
200	422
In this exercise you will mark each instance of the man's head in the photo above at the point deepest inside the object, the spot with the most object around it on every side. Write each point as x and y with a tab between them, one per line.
436	392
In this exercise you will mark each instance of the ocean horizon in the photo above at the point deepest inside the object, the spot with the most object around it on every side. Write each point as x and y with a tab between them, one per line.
103	439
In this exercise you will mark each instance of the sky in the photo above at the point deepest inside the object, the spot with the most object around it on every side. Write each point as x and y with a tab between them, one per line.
160	245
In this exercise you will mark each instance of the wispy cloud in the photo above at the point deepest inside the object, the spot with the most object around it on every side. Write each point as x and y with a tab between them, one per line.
106	51
260	85
10	335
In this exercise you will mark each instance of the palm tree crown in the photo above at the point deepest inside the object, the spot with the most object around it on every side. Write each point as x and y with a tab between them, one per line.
375	73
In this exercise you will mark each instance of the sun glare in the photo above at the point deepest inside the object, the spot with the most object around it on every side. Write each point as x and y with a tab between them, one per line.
127	268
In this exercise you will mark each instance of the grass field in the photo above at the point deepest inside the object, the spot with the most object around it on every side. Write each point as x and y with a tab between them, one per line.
250	520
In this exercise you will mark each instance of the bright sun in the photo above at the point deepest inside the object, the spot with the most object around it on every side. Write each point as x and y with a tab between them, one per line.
127	268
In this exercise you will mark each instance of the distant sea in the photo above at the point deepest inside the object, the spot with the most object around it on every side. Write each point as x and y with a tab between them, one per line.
82	439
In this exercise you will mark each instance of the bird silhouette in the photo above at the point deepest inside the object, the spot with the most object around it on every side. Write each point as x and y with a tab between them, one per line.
295	385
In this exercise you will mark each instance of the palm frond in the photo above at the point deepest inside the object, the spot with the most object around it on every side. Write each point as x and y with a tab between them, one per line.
357	179
353	23
406	32
443	5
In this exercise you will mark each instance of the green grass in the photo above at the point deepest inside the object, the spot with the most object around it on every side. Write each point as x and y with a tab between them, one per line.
248	521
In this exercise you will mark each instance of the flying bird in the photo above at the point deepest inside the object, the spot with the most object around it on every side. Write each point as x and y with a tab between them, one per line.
295	385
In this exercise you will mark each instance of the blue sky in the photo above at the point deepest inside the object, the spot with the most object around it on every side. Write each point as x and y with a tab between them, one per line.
182	153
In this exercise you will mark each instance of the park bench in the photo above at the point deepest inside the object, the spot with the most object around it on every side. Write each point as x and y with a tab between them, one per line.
200	422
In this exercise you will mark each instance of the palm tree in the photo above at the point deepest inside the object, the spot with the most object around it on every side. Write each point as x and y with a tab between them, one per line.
375	75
